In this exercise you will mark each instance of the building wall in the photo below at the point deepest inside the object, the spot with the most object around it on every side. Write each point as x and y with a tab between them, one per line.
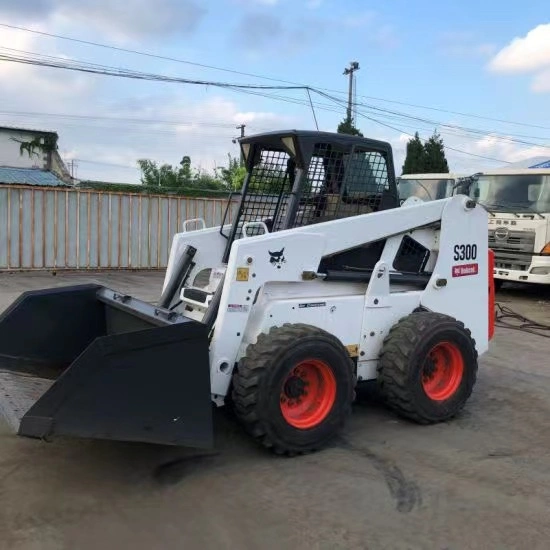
45	228
9	151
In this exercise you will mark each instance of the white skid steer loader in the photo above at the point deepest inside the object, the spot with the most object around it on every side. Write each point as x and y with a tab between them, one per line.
320	282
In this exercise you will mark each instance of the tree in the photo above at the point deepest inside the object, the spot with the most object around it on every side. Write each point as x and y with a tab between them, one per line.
347	127
233	174
415	160
182	176
435	155
155	175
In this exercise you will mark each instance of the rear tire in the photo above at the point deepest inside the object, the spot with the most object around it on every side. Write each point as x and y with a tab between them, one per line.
428	367
294	388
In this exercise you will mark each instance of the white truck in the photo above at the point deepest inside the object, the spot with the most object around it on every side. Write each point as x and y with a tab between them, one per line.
518	202
430	187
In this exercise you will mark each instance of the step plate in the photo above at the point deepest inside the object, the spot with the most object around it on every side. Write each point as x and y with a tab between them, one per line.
18	393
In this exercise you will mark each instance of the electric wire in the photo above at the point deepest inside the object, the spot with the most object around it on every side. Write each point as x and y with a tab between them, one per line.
263	77
506	317
62	63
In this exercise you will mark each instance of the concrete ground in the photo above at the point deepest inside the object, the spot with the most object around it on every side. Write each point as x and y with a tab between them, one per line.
480	481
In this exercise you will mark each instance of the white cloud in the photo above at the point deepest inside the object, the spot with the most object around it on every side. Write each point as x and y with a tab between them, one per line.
174	121
34	87
541	82
463	44
360	19
262	33
524	54
121	21
374	31
202	129
527	54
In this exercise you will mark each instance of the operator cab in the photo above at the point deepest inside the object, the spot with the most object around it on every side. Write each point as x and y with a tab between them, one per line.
298	178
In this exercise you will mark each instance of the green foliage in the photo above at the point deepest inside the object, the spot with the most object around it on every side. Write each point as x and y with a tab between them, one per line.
435	155
427	158
43	143
165	175
415	161
347	127
148	190
233	174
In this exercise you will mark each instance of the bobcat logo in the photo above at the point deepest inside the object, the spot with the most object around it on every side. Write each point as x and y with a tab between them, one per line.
277	258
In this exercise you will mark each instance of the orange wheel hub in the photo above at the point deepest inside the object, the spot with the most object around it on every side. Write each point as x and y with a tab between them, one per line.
308	394
442	371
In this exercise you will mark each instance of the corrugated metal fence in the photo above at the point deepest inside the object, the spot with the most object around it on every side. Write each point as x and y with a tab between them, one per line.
42	228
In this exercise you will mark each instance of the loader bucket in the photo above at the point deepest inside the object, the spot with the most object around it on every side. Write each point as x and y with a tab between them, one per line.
86	361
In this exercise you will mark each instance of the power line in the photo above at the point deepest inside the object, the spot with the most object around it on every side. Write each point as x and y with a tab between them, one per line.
32	58
62	63
131	120
113	164
146	54
262	77
409	134
55	62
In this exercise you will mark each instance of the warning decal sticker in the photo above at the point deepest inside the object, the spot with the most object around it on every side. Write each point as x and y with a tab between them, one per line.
237	308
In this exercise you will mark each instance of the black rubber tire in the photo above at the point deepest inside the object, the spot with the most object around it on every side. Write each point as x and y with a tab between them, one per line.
258	379
498	283
400	363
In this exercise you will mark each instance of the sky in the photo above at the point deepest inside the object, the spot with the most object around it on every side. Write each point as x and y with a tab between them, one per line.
477	72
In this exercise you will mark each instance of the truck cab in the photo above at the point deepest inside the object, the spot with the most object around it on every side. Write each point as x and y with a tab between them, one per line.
518	202
429	187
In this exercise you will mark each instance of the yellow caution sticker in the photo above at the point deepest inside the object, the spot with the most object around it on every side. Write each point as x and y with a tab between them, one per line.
353	350
242	273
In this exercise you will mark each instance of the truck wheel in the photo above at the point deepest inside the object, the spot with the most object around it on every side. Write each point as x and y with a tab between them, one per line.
294	388
428	367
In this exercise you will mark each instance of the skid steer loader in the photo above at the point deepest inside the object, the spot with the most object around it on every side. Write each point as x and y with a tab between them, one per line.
321	281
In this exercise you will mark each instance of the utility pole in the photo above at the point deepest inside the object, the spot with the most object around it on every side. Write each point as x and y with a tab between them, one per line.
241	127
353	66
72	165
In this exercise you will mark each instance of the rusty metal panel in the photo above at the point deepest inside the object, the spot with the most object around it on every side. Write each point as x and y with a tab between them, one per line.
94	236
71	225
45	228
4	239
25	228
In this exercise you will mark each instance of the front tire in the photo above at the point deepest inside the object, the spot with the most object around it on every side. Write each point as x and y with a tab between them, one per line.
294	388
428	367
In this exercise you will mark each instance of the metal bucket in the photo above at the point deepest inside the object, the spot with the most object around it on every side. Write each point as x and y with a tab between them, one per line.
87	361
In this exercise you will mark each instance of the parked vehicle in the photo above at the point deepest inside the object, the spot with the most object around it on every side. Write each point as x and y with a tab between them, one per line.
430	187
518	201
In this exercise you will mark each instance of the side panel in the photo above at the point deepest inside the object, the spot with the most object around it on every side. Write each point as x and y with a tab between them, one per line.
463	265
339	315
252	263
210	245
285	255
